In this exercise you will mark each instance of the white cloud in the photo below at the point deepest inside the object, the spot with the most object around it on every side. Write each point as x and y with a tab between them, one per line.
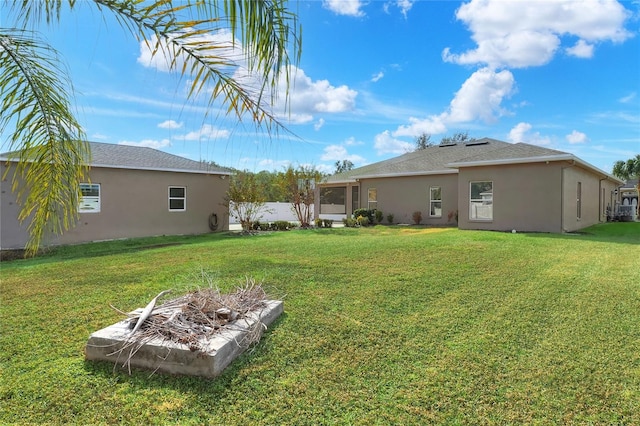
626	99
581	49
529	32
375	78
207	131
405	6
479	98
384	143
307	97
339	153
318	125
99	136
170	124
432	125
522	133
576	137
148	143
345	7
351	141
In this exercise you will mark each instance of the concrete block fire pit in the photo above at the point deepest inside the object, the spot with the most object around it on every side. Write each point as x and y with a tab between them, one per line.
113	344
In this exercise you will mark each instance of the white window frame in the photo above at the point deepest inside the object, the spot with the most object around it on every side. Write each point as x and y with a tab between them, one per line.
89	203
482	202
372	201
435	201
183	198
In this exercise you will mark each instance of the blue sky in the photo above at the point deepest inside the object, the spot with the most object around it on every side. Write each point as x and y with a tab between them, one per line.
376	74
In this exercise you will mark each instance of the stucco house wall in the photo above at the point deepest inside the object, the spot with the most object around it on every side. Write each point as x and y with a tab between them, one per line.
534	189
133	203
526	197
590	198
402	196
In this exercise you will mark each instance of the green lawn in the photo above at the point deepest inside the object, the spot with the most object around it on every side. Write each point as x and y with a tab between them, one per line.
384	325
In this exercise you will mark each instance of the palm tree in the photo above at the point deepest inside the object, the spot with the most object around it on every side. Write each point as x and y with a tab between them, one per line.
35	91
629	169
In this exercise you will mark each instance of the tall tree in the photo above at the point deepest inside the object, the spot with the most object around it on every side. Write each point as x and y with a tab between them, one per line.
423	141
299	185
629	169
35	91
246	199
343	166
458	137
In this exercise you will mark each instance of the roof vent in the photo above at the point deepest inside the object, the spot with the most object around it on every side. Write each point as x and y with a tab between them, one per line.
474	143
442	145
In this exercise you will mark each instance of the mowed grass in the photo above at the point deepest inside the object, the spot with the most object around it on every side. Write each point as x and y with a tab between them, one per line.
384	325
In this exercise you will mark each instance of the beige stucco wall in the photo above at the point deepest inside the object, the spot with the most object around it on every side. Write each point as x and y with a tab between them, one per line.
592	185
526	197
402	196
134	203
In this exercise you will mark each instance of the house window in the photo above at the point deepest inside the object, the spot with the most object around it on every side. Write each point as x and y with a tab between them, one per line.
372	199
435	201
90	199
579	200
481	201
177	198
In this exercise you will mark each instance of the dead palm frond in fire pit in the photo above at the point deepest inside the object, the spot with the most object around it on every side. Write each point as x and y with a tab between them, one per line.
195	318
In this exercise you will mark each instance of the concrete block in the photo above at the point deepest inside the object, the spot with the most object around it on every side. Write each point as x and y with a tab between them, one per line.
174	358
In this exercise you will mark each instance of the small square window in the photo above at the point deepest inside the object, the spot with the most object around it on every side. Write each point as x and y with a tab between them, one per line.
177	198
90	199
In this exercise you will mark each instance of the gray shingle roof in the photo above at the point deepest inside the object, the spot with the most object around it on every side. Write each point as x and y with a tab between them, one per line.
440	159
434	159
142	158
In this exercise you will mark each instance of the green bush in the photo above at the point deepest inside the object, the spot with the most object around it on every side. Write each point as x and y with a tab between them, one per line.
318	222
328	223
349	222
369	214
390	218
282	225
379	216
363	221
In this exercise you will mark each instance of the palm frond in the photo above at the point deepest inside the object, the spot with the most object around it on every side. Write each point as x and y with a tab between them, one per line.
265	30
47	138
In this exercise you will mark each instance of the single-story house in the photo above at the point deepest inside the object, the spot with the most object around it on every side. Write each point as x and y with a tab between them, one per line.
482	184
130	192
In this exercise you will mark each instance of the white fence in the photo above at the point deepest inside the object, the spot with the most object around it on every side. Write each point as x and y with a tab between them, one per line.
273	212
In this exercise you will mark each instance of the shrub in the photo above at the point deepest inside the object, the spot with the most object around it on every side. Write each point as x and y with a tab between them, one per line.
417	217
265	226
349	222
369	214
363	221
390	218
328	223
318	222
379	216
282	225
452	214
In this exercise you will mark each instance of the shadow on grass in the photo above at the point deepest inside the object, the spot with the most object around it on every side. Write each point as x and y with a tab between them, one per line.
107	248
611	232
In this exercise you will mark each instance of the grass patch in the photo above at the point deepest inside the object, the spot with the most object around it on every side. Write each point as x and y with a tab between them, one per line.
382	325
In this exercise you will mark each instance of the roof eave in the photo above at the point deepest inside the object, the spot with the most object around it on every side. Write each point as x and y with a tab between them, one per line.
540	159
407	174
